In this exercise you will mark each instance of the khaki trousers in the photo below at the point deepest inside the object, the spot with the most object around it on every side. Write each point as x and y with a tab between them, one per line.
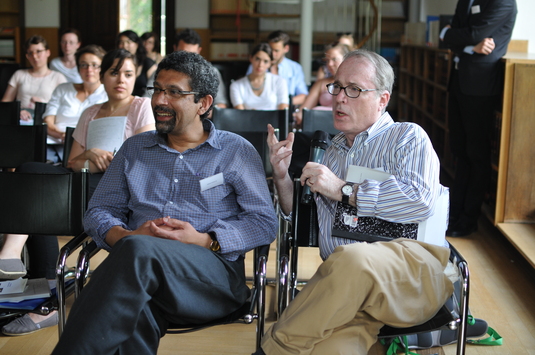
357	290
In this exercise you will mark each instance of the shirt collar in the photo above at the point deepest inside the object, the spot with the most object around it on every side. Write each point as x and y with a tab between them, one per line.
208	125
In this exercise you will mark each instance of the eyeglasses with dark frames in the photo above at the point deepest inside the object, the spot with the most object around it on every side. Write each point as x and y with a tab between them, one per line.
172	93
351	91
87	65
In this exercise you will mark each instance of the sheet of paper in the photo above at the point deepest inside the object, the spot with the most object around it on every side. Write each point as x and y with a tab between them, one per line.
358	174
13	286
35	288
106	133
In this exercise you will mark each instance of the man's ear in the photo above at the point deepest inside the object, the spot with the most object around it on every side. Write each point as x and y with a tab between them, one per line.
205	102
384	99
286	48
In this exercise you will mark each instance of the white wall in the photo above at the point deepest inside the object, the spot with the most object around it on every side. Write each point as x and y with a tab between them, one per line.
41	13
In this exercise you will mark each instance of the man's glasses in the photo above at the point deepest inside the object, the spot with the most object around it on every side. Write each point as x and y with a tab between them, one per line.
351	91
87	65
171	93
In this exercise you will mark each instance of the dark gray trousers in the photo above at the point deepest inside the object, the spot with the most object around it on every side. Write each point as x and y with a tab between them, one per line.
143	285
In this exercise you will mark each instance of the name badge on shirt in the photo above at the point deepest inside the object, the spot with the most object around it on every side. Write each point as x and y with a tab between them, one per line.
212	181
476	9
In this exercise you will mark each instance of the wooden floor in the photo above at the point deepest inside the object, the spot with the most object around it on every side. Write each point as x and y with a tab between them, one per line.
502	289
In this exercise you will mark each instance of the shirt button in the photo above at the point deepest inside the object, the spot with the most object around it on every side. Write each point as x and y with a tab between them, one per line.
352	155
181	157
176	180
170	202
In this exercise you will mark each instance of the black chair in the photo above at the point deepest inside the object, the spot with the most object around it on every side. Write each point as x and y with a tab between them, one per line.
46	204
253	309
10	113
234	120
314	120
67	145
21	144
304	233
39	111
6	72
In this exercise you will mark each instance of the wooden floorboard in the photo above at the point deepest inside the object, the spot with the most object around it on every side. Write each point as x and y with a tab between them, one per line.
502	289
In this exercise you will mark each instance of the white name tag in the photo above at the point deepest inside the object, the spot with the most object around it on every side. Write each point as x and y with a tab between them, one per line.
212	181
476	9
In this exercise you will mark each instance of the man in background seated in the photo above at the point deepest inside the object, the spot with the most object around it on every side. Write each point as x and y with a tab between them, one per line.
285	67
362	286
189	40
177	208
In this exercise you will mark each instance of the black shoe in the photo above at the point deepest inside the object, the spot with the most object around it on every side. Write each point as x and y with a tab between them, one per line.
461	229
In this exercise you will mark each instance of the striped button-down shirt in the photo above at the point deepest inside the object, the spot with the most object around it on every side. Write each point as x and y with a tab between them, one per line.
402	149
147	180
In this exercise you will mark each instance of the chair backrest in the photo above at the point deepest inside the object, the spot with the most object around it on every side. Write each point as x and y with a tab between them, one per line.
47	204
314	120
67	145
21	144
10	113
259	141
304	219
38	113
234	120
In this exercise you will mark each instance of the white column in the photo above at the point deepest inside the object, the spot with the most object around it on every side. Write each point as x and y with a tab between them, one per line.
305	45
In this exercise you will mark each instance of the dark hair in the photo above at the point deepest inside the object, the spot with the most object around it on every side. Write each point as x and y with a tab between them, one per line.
110	57
202	75
189	36
141	52
89	49
73	31
145	36
262	47
277	36
35	39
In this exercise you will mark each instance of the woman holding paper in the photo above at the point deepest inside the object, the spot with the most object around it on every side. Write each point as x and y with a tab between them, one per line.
118	76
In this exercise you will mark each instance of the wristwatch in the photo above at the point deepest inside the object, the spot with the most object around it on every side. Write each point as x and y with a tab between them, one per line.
347	191
214	245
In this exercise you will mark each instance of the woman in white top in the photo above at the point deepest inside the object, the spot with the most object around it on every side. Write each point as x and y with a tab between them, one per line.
36	84
260	90
118	74
66	65
70	100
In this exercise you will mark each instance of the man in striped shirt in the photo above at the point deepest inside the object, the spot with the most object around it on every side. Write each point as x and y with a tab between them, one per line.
362	286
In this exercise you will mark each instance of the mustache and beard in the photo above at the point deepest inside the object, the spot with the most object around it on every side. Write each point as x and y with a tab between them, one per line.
165	127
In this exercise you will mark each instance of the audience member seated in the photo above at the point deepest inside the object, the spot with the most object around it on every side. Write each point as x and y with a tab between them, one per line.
260	90
343	38
35	84
176	251
362	286
189	40
118	74
318	95
151	42
66	64
146	67
70	100
290	70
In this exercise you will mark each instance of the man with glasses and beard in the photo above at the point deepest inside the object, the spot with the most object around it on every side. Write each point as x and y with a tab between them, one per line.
177	208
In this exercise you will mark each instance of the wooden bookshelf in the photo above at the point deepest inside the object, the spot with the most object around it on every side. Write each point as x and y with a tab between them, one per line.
423	95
